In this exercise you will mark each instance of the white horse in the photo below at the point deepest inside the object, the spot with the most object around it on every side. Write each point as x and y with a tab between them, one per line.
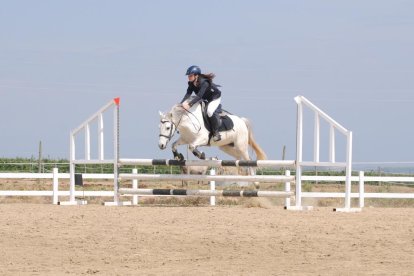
190	125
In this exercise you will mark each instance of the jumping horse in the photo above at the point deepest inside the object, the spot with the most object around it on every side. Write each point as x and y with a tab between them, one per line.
193	127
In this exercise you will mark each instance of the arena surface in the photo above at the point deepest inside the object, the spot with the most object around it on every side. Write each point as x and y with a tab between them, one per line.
42	239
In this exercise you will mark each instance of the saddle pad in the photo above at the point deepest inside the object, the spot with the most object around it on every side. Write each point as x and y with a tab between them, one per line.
226	123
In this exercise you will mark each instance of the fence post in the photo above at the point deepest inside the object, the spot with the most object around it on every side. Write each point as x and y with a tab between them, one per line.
55	186
135	186
348	182
212	187
361	190
287	189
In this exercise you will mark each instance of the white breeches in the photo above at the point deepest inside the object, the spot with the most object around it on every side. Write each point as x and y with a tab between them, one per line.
212	106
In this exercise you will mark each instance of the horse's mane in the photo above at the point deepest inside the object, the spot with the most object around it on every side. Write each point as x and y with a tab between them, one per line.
190	98
177	108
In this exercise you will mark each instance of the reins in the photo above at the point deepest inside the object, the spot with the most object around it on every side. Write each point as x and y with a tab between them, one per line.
175	126
188	111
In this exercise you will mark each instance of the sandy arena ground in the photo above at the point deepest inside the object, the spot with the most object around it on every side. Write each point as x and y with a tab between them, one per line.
42	239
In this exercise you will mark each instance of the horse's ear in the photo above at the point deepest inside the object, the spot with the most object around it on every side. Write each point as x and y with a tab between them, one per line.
162	115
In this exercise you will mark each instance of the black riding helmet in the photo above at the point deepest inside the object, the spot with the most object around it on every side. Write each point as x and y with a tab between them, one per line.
193	70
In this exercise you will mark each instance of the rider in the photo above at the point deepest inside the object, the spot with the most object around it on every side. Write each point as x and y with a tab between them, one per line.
204	88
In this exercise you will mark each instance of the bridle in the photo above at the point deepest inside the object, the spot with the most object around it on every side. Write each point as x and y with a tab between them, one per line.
175	126
172	129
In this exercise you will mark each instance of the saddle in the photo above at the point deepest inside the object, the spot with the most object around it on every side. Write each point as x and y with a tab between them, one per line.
226	122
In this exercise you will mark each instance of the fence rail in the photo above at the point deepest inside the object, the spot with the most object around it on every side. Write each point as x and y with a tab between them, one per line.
361	179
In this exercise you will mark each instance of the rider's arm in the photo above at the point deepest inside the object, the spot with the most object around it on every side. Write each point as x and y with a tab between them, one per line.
187	95
203	88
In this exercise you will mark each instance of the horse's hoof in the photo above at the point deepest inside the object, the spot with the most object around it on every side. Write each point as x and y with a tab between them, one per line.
203	156
178	156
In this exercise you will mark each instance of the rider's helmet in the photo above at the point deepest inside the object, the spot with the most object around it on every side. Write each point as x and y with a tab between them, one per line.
193	70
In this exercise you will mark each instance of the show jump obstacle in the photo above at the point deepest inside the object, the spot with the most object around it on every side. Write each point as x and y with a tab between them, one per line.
297	164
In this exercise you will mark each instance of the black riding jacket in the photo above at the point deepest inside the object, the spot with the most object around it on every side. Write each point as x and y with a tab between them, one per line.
206	90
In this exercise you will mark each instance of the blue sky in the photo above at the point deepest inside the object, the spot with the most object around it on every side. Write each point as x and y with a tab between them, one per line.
62	60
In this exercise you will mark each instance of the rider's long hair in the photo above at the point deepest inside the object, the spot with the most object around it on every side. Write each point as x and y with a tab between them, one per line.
209	77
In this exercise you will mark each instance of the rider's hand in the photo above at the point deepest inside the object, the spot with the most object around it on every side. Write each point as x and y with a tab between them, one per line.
186	105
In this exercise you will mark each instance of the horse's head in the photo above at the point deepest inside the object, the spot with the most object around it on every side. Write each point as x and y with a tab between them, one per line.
173	120
167	130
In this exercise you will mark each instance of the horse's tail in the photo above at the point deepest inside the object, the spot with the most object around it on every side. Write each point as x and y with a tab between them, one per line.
260	154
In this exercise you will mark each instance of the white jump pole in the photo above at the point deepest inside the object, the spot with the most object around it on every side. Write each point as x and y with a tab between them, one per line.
206	193
209	163
198	177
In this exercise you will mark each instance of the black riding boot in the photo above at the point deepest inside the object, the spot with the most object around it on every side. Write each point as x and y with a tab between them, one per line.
215	124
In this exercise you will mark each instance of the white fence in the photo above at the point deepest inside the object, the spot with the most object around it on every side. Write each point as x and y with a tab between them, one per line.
361	179
299	163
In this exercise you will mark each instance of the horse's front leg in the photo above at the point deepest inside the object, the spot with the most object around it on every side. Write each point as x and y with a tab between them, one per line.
196	152
177	155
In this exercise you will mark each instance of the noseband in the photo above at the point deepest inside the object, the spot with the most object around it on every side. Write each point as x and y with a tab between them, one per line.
172	130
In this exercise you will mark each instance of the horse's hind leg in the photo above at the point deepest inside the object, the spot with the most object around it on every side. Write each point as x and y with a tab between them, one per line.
240	155
232	151
236	153
251	170
246	156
